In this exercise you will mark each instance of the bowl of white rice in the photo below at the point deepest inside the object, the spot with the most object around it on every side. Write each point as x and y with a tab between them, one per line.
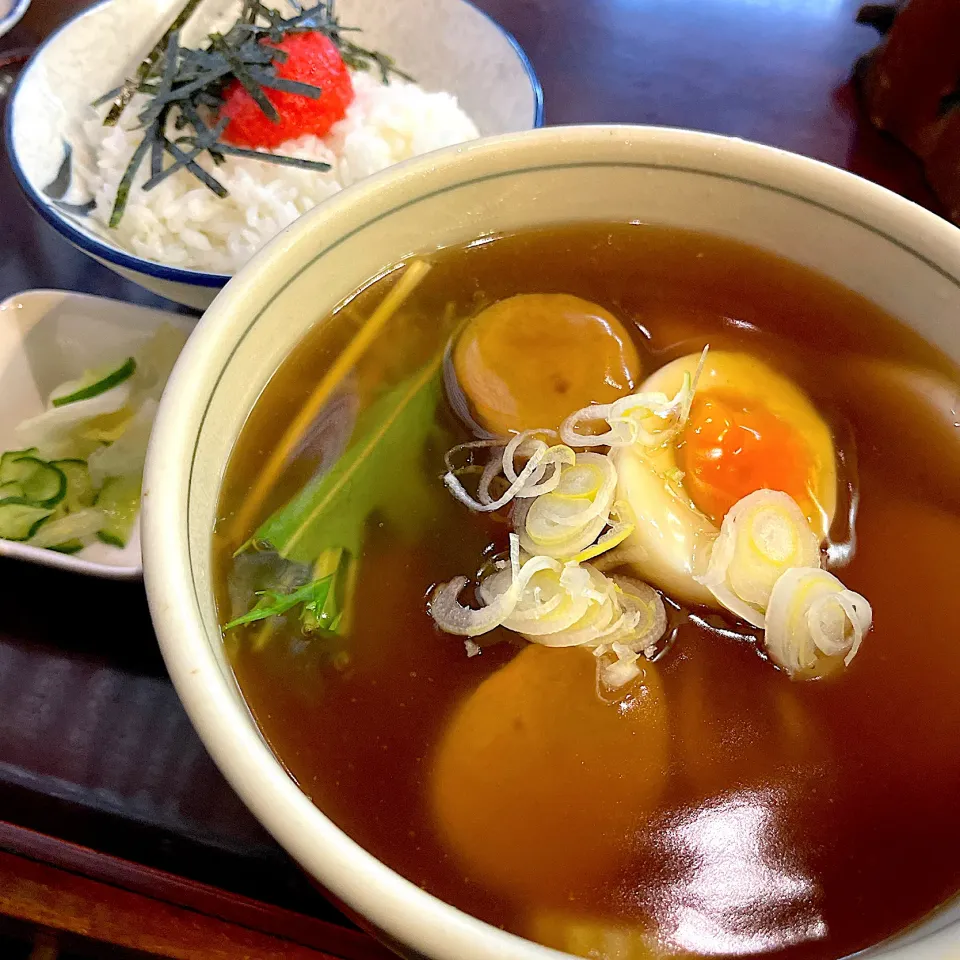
458	76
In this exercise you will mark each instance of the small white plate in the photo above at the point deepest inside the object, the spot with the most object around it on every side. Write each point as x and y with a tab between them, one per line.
46	337
10	13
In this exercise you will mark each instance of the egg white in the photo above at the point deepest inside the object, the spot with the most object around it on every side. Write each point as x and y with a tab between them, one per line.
671	541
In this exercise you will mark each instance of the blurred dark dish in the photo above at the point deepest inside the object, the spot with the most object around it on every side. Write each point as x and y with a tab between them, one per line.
910	86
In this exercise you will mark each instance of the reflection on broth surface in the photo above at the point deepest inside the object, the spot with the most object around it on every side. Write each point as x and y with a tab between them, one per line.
711	806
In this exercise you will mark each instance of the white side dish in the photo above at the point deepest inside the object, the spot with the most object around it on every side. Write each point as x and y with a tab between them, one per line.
51	336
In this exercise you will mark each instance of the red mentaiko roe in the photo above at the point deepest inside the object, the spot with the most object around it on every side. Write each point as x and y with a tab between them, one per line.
311	58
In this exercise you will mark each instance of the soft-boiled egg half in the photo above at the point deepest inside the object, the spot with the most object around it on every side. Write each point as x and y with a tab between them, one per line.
750	428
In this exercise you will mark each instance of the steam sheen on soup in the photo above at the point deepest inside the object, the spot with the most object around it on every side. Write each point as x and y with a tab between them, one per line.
602	580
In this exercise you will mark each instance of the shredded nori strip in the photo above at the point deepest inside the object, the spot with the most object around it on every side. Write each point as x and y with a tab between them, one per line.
208	181
58	187
184	85
283	161
162	93
156	149
191	117
200	84
126	181
131	86
77	209
239	69
266	79
198	145
145	87
360	59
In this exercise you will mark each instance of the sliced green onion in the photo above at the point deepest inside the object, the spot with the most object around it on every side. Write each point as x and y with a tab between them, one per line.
650	419
623	524
547	604
583	479
761	536
601	610
812	619
452	617
556	605
530	476
552	538
561	524
642	625
645	606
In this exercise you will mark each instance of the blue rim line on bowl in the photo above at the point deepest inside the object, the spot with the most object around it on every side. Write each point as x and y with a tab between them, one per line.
102	250
599	165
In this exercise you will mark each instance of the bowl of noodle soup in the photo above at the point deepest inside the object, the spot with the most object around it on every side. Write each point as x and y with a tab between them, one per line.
753	754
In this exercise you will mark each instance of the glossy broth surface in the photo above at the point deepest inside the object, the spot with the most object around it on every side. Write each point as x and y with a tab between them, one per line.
810	819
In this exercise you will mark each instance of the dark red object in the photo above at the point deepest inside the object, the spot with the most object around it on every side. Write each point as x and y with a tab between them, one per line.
82	893
911	88
311	58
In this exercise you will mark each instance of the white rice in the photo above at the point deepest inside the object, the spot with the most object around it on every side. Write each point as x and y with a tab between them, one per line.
182	223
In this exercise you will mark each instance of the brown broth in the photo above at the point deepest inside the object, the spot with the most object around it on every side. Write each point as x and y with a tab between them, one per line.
809	819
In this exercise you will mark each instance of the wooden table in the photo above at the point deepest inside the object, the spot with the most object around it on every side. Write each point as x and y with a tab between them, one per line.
117	827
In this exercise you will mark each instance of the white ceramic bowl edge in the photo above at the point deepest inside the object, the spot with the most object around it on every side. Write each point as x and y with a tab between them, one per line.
900	256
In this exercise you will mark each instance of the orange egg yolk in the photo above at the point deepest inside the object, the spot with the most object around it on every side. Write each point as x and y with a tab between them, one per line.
529	361
733	446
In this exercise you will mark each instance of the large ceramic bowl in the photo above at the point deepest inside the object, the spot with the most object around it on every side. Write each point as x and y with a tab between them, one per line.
446	44
903	258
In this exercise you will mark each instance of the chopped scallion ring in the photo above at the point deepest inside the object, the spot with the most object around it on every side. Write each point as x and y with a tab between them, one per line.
761	536
812	618
452	617
564	522
651	419
531	481
556	605
622	527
